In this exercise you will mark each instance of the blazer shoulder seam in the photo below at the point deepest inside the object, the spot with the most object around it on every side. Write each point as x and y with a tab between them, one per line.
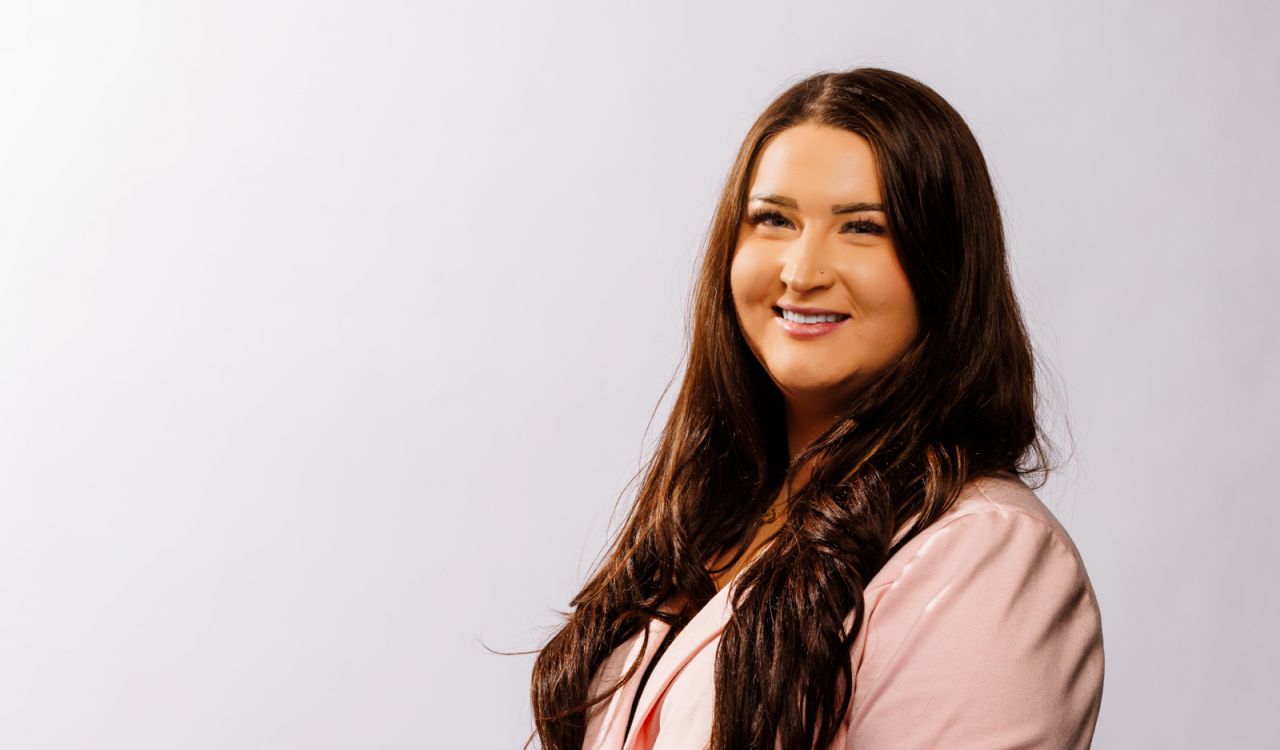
994	507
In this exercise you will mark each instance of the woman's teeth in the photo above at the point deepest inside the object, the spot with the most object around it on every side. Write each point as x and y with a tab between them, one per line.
798	318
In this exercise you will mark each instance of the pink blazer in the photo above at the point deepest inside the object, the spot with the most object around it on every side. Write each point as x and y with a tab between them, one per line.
982	632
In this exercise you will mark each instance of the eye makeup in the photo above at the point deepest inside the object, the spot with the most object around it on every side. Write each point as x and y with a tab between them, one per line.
760	216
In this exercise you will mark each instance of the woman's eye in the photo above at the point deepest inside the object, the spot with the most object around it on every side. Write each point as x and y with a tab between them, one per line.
860	226
764	217
867	225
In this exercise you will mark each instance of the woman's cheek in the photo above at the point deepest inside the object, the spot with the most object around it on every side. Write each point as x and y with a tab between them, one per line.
743	280
752	274
878	288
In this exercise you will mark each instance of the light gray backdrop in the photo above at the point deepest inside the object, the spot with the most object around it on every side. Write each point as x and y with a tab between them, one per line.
329	335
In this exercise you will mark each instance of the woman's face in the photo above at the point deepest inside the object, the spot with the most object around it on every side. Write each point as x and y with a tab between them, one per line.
815	237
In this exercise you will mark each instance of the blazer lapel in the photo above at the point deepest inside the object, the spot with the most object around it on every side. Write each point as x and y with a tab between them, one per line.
607	732
705	626
708	623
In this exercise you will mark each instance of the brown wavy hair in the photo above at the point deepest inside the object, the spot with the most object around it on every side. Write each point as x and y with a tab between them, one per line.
957	405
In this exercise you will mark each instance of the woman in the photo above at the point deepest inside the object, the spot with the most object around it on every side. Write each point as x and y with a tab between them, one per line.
833	545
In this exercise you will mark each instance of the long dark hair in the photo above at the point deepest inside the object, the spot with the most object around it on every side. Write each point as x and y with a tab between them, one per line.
959	404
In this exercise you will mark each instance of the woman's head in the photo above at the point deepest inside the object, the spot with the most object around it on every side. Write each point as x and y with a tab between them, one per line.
818	291
928	385
919	268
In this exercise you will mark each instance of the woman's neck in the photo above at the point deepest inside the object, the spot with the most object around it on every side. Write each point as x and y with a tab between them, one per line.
805	422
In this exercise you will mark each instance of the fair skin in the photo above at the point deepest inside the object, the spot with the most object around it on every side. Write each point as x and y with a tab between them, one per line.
815	235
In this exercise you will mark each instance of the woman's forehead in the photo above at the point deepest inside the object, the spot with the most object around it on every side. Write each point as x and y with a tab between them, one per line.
817	166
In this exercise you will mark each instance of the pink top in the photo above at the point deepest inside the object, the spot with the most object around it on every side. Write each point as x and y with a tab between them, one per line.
982	632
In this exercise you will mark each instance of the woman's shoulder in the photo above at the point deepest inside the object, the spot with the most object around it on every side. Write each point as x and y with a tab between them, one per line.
989	514
988	617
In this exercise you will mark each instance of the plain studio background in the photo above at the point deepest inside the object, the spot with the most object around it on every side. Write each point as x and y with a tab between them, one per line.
330	333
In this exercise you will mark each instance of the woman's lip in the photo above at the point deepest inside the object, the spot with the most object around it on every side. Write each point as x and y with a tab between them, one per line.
806	330
808	310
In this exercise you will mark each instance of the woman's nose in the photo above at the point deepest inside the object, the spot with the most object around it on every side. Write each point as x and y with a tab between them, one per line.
805	265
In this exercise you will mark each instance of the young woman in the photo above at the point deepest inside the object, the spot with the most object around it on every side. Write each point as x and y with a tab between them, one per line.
834	545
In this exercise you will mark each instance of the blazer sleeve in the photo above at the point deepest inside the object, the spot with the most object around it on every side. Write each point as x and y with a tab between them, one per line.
990	637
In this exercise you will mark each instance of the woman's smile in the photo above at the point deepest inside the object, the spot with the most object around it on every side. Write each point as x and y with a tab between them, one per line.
801	326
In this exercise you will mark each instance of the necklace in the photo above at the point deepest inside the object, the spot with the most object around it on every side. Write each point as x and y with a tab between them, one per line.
771	514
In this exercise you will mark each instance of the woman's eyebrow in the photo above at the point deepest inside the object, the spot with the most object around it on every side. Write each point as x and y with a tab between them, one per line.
839	208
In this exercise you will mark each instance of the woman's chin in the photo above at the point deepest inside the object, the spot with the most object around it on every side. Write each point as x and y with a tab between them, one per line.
809	386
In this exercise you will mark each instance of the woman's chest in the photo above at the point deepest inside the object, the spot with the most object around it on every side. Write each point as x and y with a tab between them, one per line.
675	707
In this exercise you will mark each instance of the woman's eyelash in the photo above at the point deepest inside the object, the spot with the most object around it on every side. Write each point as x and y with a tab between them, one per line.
757	217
